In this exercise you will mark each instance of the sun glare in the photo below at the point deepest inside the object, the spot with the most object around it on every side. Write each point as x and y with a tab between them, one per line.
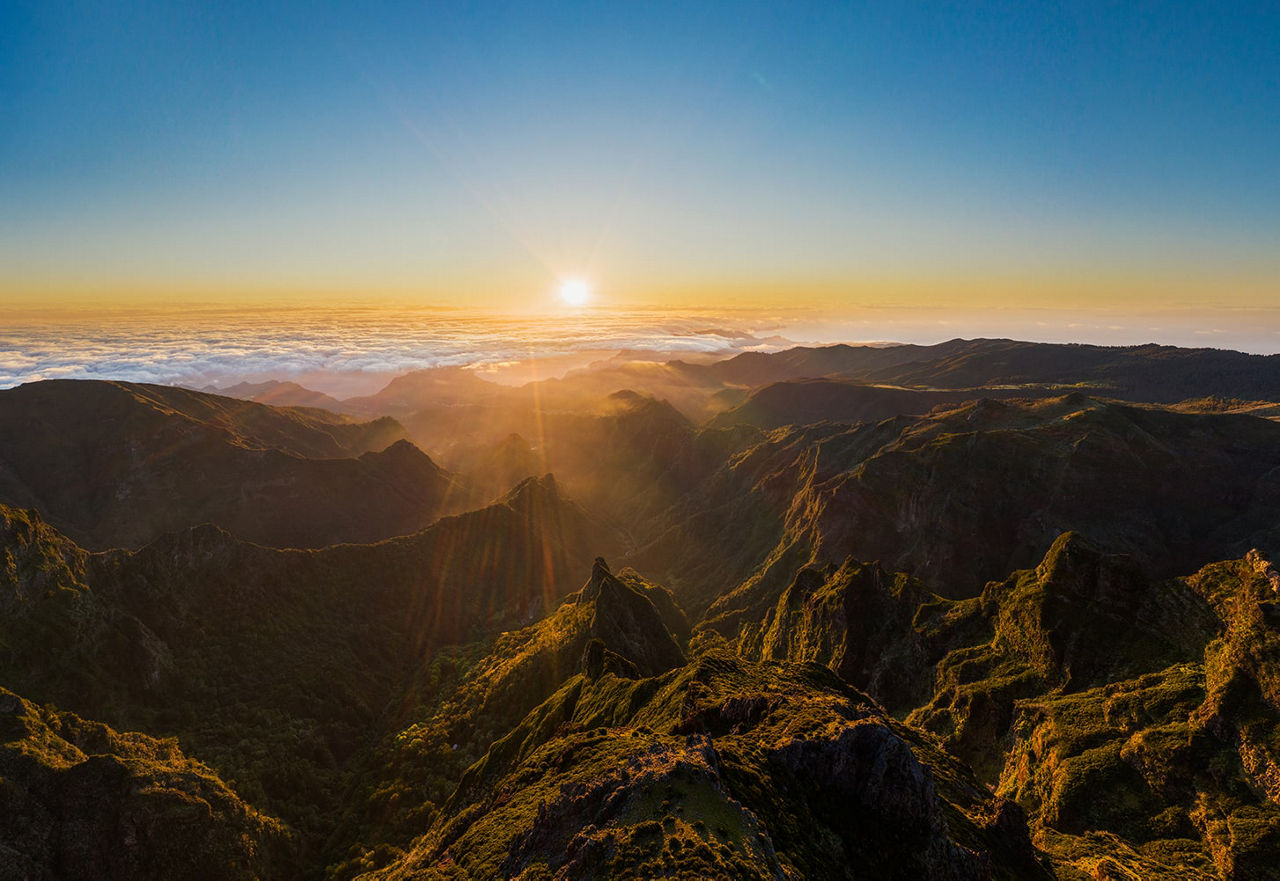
575	292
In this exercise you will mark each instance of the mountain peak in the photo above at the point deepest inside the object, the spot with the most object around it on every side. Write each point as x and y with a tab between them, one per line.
533	491
628	624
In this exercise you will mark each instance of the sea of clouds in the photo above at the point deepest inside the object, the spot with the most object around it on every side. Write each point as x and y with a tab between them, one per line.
356	350
340	350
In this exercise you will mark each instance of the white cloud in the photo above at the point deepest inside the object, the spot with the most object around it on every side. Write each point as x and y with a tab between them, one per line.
226	347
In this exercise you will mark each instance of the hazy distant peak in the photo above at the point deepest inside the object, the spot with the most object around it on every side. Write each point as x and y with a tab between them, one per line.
533	489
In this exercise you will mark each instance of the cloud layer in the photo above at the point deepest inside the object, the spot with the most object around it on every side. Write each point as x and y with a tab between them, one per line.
216	347
355	350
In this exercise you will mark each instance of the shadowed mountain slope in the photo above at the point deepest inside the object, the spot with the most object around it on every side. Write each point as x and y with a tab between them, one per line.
755	369
965	495
1153	373
802	402
278	394
274	666
1160	374
118	464
628	456
81	801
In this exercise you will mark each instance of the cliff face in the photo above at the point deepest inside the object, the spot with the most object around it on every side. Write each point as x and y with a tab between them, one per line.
1132	718
857	620
968	494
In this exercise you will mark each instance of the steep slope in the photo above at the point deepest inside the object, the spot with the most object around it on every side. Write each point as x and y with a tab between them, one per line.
1133	719
276	667
67	406
1167	774
859	621
119	464
968	494
492	470
621	623
628	457
633	455
81	801
1080	619
720	768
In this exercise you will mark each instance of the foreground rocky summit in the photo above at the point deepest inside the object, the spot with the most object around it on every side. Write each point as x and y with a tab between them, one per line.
643	765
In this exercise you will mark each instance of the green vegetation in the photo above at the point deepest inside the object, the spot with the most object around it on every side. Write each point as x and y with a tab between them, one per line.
719	768
85	801
446	704
281	669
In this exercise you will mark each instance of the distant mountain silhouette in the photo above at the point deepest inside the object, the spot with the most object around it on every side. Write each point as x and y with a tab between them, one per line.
805	401
118	464
278	394
1163	374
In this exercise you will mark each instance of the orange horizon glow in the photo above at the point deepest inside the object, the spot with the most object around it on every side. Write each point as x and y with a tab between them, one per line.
1206	289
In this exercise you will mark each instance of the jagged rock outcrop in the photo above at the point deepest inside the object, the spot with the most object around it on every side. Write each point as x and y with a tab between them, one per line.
1132	718
1080	619
614	626
722	768
627	623
856	619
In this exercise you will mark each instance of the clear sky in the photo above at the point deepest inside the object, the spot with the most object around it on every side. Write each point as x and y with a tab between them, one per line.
874	154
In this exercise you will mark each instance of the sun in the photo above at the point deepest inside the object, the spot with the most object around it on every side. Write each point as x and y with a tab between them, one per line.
575	292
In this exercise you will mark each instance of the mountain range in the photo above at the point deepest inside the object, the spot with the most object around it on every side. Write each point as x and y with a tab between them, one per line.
117	464
985	609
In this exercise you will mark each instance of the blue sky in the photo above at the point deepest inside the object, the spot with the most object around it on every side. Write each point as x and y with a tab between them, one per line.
689	151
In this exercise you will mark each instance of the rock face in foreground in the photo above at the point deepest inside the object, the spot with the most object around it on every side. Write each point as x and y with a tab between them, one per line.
619	625
81	801
716	768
